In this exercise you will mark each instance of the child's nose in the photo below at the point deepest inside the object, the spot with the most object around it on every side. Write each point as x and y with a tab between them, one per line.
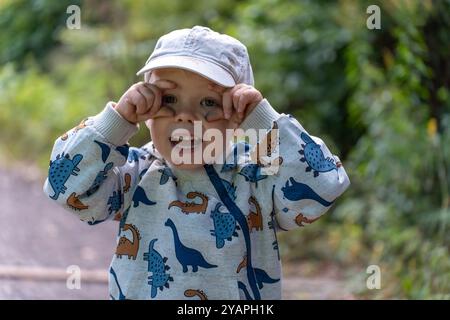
186	114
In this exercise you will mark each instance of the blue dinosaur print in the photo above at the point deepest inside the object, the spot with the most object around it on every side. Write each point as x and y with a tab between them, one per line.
187	256
262	277
101	176
140	196
134	154
157	266
252	173
60	171
142	173
121	295
298	191
115	201
224	226
314	157
106	150
123	150
165	174
233	165
243	287
230	188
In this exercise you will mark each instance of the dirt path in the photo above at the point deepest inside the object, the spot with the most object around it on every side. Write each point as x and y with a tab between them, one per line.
39	240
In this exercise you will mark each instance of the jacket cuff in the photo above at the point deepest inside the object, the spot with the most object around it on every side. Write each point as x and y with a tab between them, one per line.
111	125
261	117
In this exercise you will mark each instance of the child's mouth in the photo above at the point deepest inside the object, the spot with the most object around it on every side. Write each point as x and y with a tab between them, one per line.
185	142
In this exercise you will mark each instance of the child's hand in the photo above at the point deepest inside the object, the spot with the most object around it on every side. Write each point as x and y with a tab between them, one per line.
142	100
240	99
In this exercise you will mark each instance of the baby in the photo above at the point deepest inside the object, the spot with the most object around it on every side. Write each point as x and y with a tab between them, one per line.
199	206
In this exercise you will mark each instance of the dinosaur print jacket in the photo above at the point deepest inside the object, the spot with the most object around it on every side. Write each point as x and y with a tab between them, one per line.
203	234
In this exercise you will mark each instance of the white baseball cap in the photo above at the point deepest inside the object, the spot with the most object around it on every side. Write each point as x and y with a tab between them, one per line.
218	57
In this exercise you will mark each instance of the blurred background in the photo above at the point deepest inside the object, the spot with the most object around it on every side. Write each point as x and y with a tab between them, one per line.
378	98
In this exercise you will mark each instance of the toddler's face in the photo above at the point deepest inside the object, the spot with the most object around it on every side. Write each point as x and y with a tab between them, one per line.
191	100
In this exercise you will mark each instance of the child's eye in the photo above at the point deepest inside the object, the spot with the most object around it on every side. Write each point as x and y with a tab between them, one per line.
208	102
169	99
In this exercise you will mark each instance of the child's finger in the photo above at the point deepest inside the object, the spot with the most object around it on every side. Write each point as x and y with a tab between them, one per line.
138	100
149	97
157	94
244	100
164	84
227	104
236	98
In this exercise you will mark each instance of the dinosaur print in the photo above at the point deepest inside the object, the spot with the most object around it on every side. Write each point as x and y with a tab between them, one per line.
224	226
229	166
140	196
123	150
242	264
115	201
142	173
191	207
189	293
121	295
243	287
252	173
255	219
270	142
60	171
75	203
300	219
101	176
187	256
262	277
123	219
127	180
134	154
298	191
75	129
271	225
126	247
314	157
157	266
117	216
230	188
165	174
106	150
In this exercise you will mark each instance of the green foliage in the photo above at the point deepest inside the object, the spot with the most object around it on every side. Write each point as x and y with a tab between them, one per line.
379	98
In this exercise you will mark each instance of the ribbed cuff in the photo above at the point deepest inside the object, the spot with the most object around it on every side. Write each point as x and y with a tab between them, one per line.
113	127
261	117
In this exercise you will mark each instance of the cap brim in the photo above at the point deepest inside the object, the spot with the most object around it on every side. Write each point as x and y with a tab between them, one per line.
206	69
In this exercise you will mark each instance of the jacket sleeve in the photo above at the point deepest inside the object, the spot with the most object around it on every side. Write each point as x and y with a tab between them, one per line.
308	177
89	173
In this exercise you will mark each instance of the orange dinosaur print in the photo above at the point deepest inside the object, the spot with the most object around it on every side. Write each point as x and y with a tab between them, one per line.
191	207
118	216
125	246
75	203
193	292
300	219
243	264
270	141
255	219
75	129
127	179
